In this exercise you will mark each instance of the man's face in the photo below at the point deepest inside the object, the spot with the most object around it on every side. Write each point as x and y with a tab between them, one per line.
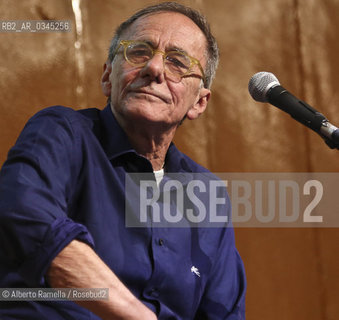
144	94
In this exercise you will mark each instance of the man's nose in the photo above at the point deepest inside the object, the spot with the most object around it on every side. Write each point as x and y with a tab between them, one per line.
154	68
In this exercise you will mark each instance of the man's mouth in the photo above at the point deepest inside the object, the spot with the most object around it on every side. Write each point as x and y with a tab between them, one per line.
152	93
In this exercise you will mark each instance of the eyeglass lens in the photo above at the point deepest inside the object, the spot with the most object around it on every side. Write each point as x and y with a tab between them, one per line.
176	63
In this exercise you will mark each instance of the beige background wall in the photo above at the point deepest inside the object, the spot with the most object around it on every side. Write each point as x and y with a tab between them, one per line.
292	273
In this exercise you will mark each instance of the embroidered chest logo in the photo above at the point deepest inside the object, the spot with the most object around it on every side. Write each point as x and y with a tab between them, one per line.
195	270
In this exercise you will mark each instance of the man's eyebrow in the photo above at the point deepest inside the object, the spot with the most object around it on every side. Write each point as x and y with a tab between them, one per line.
171	48
174	48
149	42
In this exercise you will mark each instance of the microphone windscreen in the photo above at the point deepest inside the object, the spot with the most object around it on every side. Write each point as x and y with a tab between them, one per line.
259	85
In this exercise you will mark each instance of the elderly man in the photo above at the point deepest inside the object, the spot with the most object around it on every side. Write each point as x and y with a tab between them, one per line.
62	188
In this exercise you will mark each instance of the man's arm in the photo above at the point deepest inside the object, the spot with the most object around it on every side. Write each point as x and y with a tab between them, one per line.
35	230
78	266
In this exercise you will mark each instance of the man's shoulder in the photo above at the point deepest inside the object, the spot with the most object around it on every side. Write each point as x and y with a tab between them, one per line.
58	116
68	113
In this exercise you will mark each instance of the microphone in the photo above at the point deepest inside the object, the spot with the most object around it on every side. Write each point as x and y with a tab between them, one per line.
265	87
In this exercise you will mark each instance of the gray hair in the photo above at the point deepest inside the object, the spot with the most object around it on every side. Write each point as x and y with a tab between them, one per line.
194	15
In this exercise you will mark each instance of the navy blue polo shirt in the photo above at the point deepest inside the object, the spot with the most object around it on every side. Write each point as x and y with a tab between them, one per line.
65	179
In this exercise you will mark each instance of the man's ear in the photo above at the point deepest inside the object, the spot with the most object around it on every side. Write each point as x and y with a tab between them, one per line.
105	79
200	106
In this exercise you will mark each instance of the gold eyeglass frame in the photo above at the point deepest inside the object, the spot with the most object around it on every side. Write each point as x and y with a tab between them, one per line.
193	61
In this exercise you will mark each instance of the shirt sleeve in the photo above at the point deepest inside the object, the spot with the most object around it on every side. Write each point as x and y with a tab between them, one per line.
224	296
36	185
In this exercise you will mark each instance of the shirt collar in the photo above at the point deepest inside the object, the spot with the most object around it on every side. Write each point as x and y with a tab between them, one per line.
116	143
175	160
115	139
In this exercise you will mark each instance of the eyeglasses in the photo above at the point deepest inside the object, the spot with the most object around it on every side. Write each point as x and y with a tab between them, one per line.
177	64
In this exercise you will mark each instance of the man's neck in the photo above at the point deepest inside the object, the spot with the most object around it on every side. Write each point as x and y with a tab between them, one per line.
150	145
150	140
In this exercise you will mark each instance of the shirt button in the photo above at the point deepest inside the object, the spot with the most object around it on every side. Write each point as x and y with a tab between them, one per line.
161	242
154	292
